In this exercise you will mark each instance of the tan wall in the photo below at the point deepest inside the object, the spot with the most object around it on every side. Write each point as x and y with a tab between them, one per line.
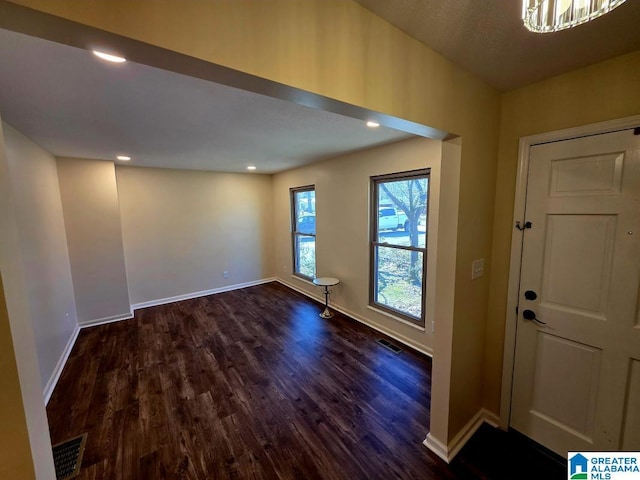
38	210
341	50
183	229
94	237
22	335
342	243
604	91
15	452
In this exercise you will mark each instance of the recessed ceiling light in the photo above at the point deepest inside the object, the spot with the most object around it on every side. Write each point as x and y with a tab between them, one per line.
108	57
124	158
251	167
372	124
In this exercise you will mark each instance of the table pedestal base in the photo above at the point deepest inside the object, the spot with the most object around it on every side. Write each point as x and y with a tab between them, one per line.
326	313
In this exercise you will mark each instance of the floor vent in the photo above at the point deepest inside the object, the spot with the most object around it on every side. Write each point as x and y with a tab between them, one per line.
389	345
67	457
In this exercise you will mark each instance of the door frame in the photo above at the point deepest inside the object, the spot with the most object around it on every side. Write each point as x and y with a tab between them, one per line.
517	238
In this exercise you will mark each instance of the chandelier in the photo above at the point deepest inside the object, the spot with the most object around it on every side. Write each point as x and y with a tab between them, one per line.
544	16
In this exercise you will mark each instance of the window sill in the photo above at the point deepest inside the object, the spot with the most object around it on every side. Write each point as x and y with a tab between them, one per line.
303	280
398	319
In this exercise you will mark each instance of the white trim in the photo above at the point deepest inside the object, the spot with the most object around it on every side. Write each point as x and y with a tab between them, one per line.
516	240
105	320
366	321
491	418
57	371
583	131
304	280
437	447
448	452
176	298
468	430
203	293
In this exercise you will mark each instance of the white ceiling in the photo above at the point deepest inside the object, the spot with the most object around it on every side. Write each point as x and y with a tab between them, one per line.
75	105
487	37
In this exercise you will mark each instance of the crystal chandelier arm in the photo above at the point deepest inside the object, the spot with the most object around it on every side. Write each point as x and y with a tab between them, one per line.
545	16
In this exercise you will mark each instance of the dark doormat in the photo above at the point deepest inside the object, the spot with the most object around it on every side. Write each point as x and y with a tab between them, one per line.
67	457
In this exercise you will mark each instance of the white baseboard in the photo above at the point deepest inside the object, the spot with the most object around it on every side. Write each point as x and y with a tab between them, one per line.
203	293
57	371
365	321
491	418
102	321
437	447
448	452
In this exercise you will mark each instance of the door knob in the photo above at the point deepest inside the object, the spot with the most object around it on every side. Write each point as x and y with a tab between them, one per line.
530	295
531	315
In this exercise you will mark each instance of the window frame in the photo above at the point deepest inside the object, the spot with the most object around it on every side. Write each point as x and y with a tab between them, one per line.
374	243
295	234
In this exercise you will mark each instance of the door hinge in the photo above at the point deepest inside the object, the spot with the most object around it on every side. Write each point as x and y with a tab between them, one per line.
520	227
516	309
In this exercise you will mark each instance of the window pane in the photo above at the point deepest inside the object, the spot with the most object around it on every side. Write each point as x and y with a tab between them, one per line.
398	282
402	208
305	214
306	223
306	255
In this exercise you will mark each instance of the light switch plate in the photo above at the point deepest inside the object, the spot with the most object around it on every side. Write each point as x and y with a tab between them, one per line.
477	268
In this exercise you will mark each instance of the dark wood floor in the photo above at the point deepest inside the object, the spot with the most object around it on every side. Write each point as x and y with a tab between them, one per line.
253	384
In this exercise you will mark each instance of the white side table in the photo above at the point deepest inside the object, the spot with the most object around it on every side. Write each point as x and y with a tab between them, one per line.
325	283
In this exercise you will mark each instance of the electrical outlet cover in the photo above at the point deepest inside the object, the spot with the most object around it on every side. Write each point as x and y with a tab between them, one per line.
477	268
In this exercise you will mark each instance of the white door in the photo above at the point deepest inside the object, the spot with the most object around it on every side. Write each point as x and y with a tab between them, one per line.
577	376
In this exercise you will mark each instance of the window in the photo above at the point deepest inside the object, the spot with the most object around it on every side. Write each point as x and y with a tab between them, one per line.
399	243
303	231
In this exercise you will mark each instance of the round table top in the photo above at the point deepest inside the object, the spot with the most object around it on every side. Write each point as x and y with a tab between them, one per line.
326	281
